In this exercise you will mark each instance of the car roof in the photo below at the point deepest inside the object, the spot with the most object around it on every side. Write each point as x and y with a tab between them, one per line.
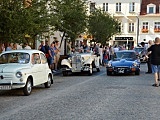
25	51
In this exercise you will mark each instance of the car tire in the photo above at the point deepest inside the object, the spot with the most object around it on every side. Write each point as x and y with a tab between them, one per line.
28	87
49	82
137	72
109	73
98	70
65	73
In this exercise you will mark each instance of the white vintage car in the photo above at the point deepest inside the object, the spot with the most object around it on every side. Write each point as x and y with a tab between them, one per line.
24	69
80	62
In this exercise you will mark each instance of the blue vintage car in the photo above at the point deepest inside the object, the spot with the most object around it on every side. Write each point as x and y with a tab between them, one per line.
124	62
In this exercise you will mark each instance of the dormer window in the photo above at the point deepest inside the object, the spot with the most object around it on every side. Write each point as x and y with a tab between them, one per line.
151	8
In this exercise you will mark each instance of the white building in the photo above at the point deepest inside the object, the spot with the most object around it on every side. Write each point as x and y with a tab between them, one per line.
127	12
149	20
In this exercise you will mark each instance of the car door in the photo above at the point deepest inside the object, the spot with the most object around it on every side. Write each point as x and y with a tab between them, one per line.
45	67
37	69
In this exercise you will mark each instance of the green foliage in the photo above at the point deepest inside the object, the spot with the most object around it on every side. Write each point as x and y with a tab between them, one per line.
102	26
16	21
71	16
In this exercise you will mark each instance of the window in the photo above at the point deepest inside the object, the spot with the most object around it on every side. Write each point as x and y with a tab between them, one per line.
92	7
145	27
131	27
157	27
131	7
118	7
43	58
151	8
119	27
105	6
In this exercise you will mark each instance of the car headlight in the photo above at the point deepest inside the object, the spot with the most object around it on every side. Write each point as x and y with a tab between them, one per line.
135	64
109	65
82	59
19	74
69	59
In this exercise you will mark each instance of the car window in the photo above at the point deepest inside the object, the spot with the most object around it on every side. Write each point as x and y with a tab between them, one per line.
36	58
43	58
15	57
125	55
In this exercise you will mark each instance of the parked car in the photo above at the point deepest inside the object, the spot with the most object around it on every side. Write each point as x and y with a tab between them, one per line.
80	62
124	62
24	69
140	53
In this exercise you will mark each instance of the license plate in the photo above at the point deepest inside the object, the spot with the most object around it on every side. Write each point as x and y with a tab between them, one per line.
5	87
120	70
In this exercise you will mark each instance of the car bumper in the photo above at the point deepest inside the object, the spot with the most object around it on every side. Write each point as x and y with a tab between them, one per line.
122	70
11	85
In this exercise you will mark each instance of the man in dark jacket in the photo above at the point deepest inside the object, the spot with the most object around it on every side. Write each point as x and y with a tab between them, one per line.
154	50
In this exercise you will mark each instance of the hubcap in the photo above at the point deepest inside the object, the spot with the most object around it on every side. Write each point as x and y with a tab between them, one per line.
29	87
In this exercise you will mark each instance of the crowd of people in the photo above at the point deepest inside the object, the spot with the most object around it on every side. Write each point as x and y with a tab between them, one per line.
52	53
13	46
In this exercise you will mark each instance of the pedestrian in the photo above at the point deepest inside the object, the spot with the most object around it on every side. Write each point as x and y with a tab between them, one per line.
46	49
14	46
51	52
57	54
9	47
42	47
154	50
2	48
26	46
150	43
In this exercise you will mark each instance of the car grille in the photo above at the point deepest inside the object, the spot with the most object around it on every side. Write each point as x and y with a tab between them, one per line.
76	63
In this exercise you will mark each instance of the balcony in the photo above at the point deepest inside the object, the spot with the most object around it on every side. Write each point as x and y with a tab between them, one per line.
145	30
157	30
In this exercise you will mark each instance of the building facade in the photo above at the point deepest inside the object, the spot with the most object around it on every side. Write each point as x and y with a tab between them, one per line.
149	20
140	19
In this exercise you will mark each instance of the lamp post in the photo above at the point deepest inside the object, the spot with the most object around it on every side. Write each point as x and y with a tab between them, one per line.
137	29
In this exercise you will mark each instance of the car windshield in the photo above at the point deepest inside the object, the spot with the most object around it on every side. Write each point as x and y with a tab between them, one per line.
125	55
15	57
138	50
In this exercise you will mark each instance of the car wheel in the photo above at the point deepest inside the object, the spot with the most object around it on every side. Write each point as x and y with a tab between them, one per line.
98	70
90	72
28	87
65	73
137	72
49	82
109	73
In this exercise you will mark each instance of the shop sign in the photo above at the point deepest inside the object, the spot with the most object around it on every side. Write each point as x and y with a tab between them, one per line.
123	38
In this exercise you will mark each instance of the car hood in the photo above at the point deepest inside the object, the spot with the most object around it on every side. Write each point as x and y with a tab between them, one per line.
122	62
10	68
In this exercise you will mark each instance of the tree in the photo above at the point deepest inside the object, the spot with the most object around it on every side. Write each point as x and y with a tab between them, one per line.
102	26
71	17
18	20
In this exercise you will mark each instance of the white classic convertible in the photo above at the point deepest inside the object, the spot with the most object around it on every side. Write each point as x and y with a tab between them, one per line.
80	62
24	69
